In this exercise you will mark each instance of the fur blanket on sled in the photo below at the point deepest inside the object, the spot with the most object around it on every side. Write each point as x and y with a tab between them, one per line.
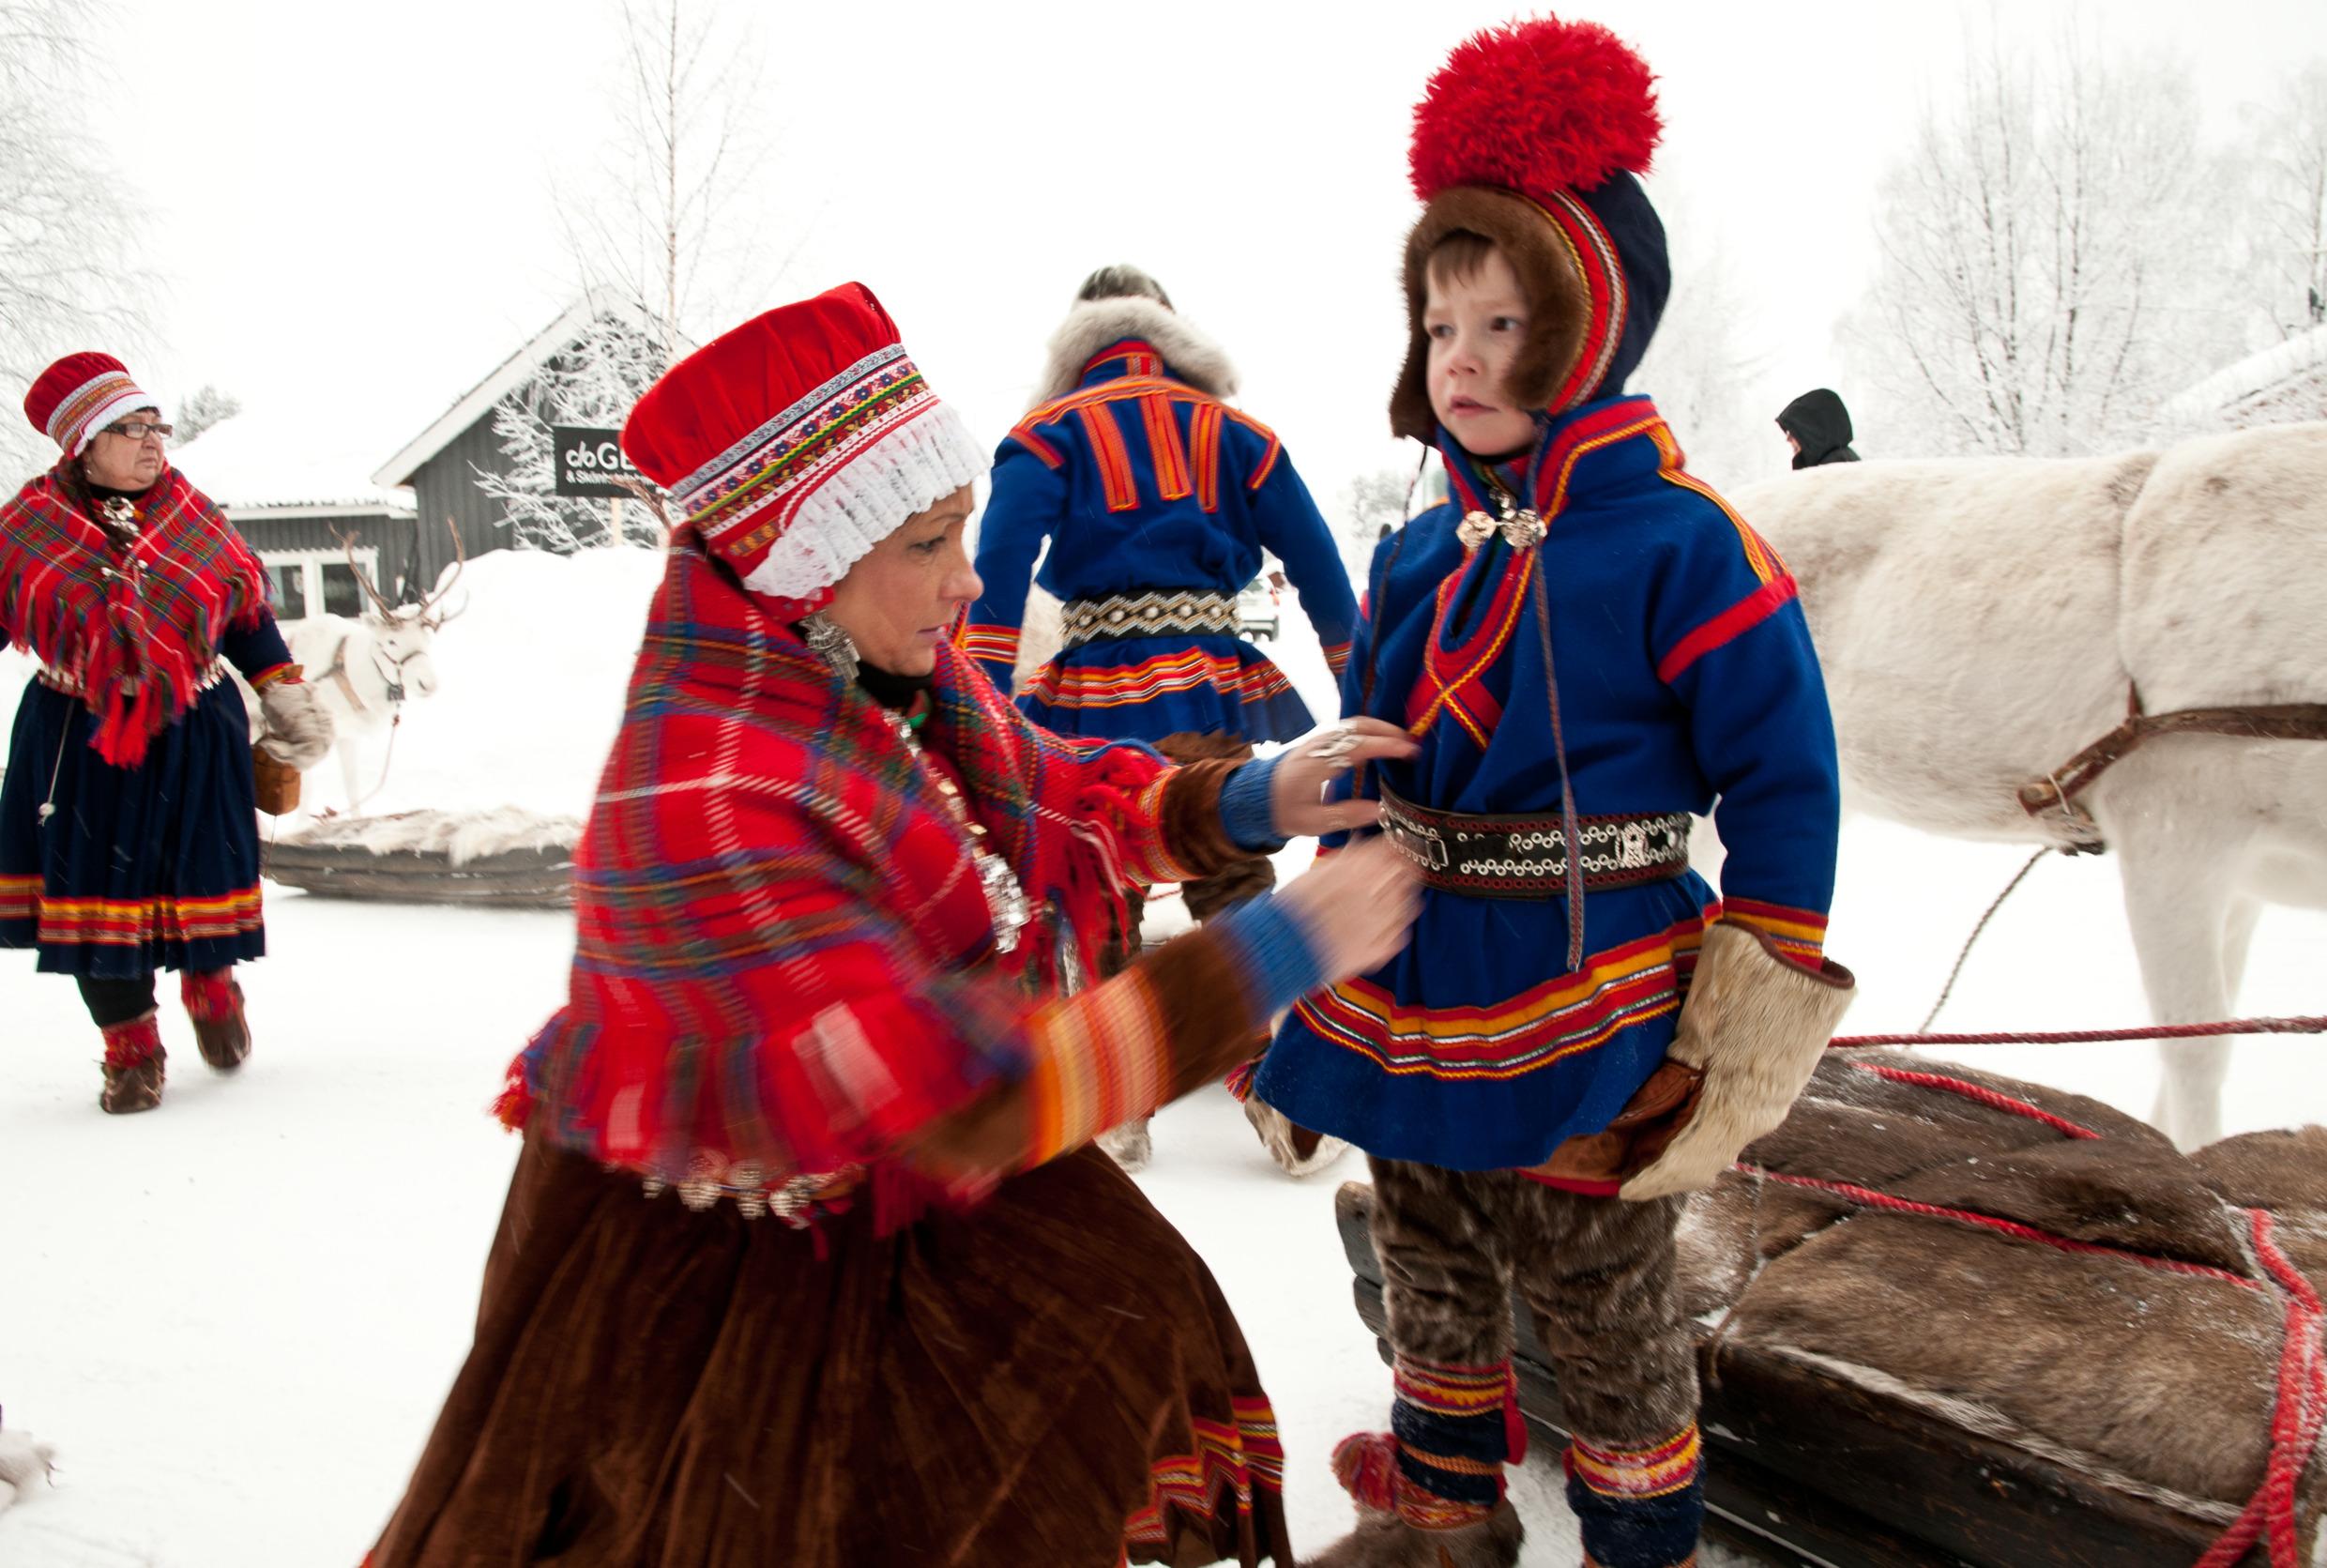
2157	1382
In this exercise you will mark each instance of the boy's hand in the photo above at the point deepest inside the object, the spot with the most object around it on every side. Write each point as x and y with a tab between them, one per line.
1297	806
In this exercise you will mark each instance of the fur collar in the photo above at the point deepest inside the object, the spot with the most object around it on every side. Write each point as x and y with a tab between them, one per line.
1093	324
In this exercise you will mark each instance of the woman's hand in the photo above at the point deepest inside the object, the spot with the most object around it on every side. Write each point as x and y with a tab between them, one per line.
1297	805
1356	906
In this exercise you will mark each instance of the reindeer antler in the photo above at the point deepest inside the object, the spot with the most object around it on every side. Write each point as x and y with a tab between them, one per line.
363	579
430	601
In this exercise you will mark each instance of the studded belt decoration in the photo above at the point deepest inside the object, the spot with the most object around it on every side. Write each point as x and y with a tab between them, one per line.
1526	857
1155	613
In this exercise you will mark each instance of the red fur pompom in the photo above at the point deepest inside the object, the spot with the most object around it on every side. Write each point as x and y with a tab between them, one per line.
1535	106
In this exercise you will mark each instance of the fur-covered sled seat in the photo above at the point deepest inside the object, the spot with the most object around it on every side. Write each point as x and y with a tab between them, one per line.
2134	1335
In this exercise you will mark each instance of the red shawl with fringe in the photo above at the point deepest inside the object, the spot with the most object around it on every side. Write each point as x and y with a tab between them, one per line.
784	956
133	621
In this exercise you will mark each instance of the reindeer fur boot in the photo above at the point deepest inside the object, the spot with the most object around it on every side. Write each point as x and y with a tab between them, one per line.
1129	1146
1387	1535
134	1062
1297	1150
213	1001
24	1459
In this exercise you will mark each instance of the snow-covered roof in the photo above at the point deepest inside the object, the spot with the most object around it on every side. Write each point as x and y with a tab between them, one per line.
512	372
2268	376
274	459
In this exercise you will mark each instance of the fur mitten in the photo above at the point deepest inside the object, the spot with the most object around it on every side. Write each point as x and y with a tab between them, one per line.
1756	1023
24	1459
298	726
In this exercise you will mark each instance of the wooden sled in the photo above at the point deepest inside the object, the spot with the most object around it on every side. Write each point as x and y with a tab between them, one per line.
500	860
1891	1388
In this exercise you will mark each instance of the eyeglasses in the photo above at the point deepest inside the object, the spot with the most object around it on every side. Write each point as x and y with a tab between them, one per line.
137	430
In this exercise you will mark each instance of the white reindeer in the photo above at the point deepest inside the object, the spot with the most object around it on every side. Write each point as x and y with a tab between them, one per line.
1981	621
367	668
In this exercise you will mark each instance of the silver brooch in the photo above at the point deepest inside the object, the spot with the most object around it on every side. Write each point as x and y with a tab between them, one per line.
1519	530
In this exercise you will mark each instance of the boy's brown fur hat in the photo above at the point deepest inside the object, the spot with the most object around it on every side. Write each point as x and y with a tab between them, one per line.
1558	299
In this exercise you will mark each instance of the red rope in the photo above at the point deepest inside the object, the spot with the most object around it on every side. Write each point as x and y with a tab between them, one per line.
1983	1095
2308	1025
2295	1419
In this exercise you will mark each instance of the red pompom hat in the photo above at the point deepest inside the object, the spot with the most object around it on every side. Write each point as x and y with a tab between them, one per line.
80	395
799	440
1530	136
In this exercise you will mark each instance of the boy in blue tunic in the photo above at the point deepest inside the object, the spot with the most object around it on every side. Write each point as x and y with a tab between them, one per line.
1591	646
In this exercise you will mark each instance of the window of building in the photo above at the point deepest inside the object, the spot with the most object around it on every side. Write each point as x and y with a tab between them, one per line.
319	582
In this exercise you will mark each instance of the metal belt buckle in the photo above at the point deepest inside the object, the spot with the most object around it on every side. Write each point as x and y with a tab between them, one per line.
1422	845
1631	845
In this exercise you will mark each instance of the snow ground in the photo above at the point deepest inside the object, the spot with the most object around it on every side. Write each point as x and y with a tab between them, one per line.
235	1317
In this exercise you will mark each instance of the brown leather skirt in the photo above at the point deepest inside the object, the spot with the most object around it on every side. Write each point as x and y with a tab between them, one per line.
1051	1379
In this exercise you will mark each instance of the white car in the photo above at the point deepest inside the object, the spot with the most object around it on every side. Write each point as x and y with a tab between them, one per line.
1257	610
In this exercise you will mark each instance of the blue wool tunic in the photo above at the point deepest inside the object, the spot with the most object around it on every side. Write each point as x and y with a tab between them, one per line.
1686	678
143	868
1140	482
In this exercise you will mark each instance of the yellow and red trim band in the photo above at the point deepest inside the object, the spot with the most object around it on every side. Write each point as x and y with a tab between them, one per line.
1233	1460
128	922
995	643
1633	1474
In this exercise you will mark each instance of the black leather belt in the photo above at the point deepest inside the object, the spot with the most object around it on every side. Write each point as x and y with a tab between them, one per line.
1526	857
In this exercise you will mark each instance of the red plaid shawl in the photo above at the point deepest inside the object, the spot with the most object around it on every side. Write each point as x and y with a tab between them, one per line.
778	964
137	631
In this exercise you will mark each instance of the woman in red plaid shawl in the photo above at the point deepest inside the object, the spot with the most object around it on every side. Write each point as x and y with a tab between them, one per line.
808	1259
128	840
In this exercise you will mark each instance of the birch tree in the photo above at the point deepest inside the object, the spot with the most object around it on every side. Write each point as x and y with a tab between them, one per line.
2050	258
68	237
669	219
2286	218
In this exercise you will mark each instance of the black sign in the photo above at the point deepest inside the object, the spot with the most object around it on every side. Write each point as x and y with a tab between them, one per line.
589	462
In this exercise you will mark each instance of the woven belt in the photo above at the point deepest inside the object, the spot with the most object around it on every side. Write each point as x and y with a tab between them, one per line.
1526	857
1152	612
57	680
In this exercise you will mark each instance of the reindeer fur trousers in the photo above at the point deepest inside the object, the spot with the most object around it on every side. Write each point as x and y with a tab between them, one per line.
1599	1277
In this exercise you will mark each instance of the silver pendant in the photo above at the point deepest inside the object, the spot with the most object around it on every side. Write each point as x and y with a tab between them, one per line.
828	642
1006	900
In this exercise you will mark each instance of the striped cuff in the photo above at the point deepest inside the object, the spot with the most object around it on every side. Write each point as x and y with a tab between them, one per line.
1800	934
1457	1427
1245	810
1097	1062
1271	952
278	675
1639	1508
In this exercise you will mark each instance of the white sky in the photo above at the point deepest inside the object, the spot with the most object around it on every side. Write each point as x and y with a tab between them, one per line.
352	216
